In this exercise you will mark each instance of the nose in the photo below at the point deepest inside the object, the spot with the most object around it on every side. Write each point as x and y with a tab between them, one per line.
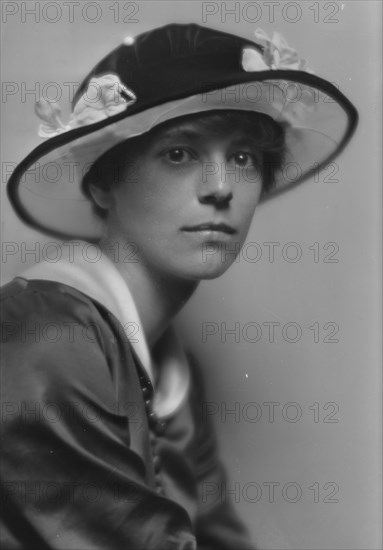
216	185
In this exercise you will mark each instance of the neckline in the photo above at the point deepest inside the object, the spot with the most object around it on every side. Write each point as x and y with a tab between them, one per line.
101	280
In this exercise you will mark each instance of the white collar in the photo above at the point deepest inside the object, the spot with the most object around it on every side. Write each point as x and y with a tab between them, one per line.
102	281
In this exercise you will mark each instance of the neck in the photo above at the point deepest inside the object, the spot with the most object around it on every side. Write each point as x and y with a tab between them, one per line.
158	296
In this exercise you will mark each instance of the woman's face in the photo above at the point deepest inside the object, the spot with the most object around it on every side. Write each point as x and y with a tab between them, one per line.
187	200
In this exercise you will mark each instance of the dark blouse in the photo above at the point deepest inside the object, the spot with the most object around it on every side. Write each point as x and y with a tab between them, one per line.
86	463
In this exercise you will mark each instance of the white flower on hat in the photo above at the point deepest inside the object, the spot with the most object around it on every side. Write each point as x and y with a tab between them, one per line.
104	97
252	60
50	112
277	54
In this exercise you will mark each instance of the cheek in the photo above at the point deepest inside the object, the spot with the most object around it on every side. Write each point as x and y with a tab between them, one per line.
149	196
248	197
246	206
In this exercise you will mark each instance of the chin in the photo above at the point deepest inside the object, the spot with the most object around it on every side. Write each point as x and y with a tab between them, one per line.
208	270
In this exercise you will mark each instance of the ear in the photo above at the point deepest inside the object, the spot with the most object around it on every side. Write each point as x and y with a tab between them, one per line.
102	197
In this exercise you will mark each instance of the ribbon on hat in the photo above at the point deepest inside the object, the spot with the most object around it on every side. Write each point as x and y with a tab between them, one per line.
277	54
104	97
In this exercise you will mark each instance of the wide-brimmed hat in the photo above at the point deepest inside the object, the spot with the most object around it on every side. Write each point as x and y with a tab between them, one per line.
162	74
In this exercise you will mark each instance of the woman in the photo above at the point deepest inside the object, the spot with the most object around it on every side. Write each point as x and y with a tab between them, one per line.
175	138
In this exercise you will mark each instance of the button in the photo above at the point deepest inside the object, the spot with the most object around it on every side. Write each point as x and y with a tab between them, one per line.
144	380
145	390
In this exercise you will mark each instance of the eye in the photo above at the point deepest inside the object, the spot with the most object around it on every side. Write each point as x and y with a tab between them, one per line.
178	155
243	159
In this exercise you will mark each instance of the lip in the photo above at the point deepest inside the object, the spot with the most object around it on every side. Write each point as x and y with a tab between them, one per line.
210	226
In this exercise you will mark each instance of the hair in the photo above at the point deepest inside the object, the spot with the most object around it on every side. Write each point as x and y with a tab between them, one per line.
267	135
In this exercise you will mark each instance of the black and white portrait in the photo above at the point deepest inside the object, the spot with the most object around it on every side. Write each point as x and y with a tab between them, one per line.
191	261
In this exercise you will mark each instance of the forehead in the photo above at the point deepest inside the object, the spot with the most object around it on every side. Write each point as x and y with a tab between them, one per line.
202	129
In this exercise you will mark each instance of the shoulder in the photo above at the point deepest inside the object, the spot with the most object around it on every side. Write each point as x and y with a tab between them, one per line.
23	300
38	291
53	335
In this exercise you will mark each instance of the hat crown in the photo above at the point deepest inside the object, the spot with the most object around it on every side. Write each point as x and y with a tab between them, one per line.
176	40
158	60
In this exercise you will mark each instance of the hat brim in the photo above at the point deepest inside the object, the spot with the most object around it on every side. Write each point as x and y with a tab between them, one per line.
44	189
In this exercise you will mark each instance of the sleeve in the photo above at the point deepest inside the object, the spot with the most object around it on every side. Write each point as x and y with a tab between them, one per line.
217	524
70	479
